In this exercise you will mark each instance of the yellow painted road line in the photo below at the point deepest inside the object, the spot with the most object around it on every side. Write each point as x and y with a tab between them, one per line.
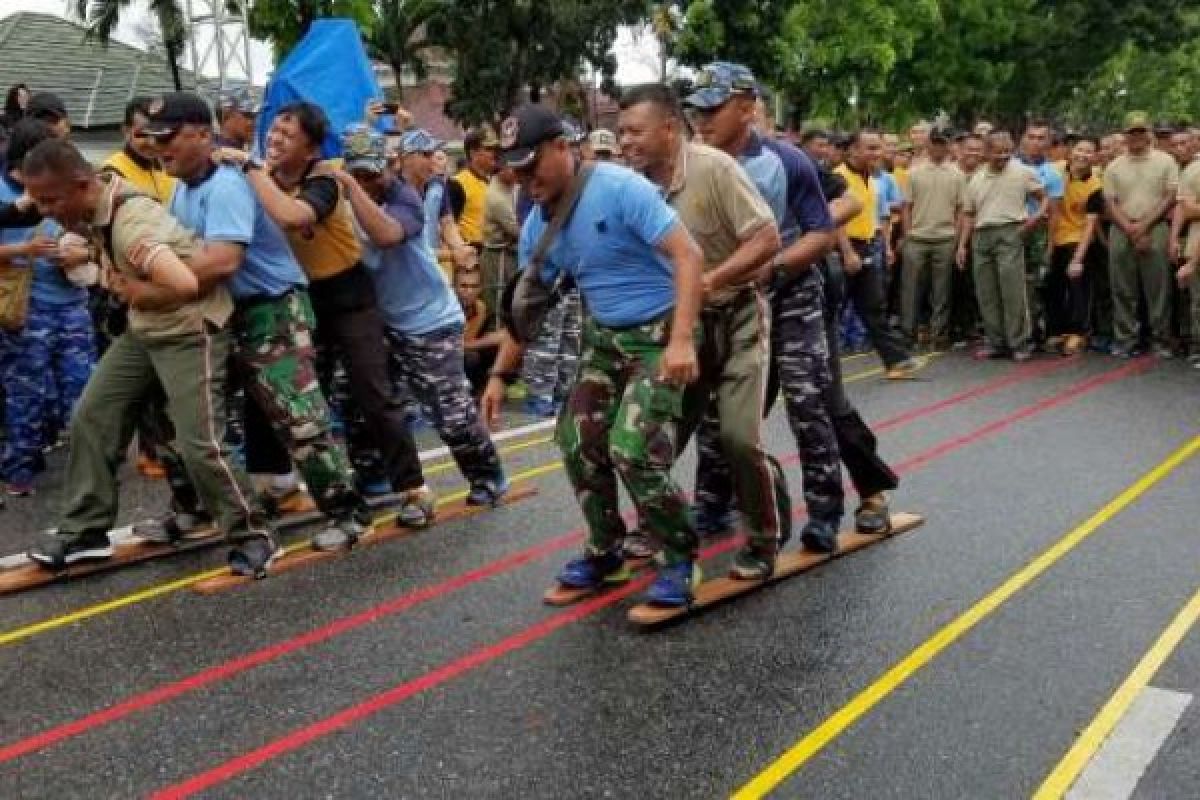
864	701
143	595
1093	736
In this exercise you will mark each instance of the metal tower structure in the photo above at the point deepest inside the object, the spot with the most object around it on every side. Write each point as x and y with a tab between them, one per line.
219	41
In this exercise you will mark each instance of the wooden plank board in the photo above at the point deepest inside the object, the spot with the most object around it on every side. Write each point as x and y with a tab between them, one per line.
718	590
134	550
306	555
559	596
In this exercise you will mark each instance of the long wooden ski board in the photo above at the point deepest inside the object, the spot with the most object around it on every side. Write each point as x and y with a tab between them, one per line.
718	590
305	555
134	550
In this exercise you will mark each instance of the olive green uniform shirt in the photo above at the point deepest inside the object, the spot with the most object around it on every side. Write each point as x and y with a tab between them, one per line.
999	198
1139	183
935	192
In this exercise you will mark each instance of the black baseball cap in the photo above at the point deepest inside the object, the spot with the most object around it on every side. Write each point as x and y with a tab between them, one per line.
45	105
173	110
521	134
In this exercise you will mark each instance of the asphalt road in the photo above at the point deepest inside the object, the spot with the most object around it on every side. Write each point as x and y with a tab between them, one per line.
961	660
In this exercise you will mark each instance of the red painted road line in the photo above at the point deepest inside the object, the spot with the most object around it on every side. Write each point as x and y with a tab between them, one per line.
447	672
231	668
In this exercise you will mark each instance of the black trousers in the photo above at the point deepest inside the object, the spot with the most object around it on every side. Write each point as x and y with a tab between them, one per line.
865	289
1068	300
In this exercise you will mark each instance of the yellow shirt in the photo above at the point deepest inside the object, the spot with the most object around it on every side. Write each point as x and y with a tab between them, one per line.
330	247
149	180
901	176
861	188
470	224
1079	199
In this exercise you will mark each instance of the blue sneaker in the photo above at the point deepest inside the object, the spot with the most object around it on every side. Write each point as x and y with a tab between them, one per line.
488	493
674	584
592	572
541	407
375	487
820	537
710	521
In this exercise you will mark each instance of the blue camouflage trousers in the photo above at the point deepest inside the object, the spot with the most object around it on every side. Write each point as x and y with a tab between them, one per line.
47	368
431	366
552	360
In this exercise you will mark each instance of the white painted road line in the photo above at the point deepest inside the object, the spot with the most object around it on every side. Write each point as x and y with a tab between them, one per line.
535	427
1114	772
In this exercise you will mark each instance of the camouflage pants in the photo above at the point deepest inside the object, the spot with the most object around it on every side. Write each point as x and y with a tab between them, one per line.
730	396
621	420
431	366
275	356
497	265
51	362
1037	267
553	359
802	360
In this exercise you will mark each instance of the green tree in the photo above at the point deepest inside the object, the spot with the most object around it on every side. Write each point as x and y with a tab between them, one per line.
502	47
103	16
398	35
284	22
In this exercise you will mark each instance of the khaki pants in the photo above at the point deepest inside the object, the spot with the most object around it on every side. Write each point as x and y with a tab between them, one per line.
999	266
191	370
928	267
1129	269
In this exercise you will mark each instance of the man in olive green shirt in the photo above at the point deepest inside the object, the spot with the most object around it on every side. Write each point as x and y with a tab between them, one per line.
1139	188
736	231
993	221
177	337
501	230
935	197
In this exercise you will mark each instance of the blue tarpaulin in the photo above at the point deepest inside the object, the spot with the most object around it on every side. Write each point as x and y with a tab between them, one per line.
329	67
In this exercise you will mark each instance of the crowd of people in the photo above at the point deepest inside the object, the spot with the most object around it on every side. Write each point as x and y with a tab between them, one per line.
271	327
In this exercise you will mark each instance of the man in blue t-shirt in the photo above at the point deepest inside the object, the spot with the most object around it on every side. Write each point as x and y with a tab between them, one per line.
639	274
1035	143
273	322
423	319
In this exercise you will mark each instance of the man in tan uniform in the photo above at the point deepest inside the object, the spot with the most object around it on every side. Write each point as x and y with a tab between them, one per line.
994	214
737	234
935	196
175	338
501	230
1139	188
1187	208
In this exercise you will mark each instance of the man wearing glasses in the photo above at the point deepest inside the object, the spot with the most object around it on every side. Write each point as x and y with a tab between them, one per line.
639	274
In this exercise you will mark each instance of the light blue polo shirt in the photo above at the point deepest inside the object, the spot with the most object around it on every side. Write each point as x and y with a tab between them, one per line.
50	286
411	290
224	208
610	248
766	171
887	194
1051	180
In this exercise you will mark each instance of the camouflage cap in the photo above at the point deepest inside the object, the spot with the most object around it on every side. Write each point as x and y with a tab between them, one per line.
364	148
240	99
719	81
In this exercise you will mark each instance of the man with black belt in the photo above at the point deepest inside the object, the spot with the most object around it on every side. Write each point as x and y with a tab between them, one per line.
310	208
864	275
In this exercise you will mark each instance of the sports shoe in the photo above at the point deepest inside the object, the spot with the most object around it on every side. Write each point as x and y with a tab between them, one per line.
20	490
150	468
904	370
674	585
754	563
1022	355
374	487
254	556
1073	344
711	522
638	546
340	534
54	551
872	517
1164	352
541	407
174	528
294	501
1194	360
988	352
820	537
418	508
488	493
592	572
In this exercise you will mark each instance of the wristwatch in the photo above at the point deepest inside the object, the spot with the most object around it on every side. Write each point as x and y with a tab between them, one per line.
779	269
251	163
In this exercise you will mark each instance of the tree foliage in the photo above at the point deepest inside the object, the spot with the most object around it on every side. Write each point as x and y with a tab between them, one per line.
284	22
501	47
103	16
